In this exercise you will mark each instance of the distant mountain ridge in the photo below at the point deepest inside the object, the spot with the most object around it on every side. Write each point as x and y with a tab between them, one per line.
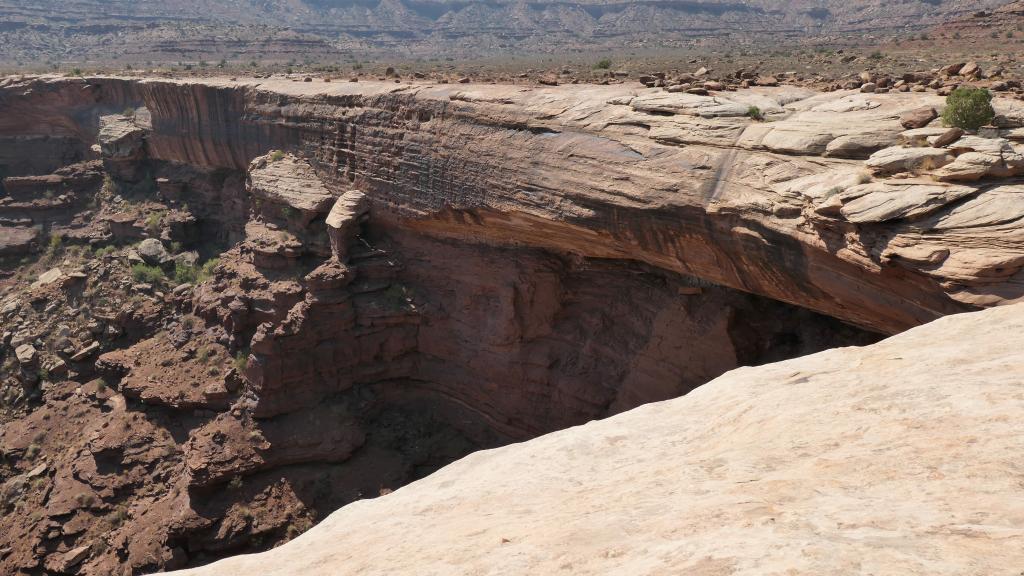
69	28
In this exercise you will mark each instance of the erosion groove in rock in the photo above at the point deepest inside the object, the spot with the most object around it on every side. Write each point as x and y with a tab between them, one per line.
263	300
752	473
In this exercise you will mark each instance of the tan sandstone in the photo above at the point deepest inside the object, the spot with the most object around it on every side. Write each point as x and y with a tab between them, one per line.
902	457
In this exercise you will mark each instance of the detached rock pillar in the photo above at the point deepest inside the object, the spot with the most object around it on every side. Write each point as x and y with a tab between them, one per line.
348	212
122	145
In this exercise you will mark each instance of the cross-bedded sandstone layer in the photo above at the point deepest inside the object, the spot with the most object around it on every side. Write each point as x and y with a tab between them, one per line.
683	182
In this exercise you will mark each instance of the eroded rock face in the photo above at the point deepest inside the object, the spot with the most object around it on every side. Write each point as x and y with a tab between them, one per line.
780	468
409	273
680	181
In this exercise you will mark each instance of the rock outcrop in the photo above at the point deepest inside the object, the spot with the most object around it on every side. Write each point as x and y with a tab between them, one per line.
352	285
900	457
680	181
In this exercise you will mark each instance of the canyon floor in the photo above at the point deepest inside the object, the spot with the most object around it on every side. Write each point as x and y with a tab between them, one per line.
232	306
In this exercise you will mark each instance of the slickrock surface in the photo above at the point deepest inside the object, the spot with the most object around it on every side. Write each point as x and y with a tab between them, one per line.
903	457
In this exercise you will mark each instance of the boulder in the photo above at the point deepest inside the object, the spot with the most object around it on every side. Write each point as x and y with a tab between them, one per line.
918	117
970	70
26	354
152	251
86	352
948	137
49	277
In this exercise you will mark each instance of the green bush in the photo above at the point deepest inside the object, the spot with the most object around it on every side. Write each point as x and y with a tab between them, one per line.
148	274
755	113
968	108
603	64
276	155
185	274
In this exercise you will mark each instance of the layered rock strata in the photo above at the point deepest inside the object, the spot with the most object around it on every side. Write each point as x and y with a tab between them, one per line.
411	272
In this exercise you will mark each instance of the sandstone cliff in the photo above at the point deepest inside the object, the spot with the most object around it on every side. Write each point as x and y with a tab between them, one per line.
900	458
372	280
683	182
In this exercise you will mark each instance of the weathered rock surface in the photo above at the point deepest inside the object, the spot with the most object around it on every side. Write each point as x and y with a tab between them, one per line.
680	181
515	261
901	457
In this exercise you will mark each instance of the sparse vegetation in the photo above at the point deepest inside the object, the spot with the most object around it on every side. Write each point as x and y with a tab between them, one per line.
32	451
235	483
241	360
276	155
101	251
603	64
53	246
154	222
185	274
205	353
147	274
968	108
755	113
192	274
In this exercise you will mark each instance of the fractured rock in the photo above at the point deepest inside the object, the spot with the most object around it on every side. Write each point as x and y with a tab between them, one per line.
899	159
344	219
26	354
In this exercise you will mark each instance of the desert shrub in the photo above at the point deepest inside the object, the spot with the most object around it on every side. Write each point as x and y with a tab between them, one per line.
241	361
276	155
99	251
190	274
205	353
968	108
185	274
206	271
32	451
755	113
235	483
54	245
603	64
287	212
154	221
146	273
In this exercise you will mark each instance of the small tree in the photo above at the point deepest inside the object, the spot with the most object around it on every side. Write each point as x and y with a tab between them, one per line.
968	108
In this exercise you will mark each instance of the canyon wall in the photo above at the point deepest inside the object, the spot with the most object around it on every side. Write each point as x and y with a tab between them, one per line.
901	457
682	182
407	273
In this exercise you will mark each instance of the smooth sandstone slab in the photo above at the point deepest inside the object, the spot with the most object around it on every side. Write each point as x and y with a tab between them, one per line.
899	458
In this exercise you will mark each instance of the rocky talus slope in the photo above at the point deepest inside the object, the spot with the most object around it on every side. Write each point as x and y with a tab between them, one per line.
233	306
903	457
